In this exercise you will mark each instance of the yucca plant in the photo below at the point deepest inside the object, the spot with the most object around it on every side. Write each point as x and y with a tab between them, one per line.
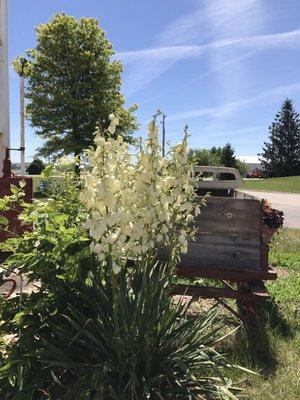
98	328
135	343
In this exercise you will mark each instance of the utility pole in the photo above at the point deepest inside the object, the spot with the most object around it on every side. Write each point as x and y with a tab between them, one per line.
4	88
23	62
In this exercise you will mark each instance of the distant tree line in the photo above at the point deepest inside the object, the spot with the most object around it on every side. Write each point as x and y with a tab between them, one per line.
280	155
218	156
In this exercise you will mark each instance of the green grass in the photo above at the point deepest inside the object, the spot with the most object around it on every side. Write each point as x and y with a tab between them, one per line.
286	240
279	348
285	250
289	184
284	383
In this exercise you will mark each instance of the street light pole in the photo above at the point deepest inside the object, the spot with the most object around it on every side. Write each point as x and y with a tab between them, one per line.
23	62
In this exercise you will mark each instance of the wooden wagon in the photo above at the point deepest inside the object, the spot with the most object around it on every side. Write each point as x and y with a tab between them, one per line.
230	246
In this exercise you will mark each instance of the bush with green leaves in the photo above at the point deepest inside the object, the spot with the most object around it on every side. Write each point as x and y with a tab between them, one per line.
93	342
135	343
91	330
35	167
54	253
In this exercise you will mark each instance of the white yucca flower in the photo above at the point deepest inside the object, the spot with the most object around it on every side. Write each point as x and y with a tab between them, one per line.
137	206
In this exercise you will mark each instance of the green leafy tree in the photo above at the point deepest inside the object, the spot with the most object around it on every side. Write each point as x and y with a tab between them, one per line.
36	167
281	155
242	167
73	85
204	157
216	150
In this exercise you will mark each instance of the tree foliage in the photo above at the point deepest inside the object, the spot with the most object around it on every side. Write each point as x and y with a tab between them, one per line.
73	85
281	155
218	156
36	167
227	157
204	157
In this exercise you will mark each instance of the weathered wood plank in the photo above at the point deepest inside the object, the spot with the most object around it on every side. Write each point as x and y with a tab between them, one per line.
229	236
230	216
221	251
241	275
212	292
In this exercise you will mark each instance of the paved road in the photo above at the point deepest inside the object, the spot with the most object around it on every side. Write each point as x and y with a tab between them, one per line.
289	203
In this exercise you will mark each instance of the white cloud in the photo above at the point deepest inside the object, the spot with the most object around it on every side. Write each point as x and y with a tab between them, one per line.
184	29
238	132
231	18
147	64
227	109
260	42
210	18
212	22
160	53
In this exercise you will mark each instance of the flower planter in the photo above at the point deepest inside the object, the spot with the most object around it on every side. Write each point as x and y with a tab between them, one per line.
267	233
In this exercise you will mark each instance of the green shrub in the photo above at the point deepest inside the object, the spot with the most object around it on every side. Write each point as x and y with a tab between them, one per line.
132	343
36	167
93	342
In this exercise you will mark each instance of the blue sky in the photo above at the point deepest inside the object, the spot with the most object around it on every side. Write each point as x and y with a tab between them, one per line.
221	66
